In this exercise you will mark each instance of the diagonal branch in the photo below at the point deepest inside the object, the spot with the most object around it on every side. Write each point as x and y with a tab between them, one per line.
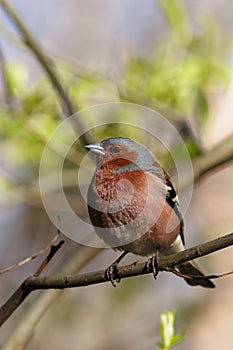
60	282
135	269
220	155
7	92
23	291
47	64
30	258
32	44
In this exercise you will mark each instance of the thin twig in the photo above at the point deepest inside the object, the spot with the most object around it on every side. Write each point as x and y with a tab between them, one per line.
53	250
31	316
201	277
23	291
30	258
32	44
8	96
47	64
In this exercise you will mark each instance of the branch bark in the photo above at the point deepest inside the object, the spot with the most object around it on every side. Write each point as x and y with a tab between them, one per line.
220	155
216	158
43	303
61	282
22	292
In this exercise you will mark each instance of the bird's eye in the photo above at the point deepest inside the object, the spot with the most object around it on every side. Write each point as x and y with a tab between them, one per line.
114	149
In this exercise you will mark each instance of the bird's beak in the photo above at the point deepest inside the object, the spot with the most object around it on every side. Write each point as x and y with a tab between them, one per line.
96	149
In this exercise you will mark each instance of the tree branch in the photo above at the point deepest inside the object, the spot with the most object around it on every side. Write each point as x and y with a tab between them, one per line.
7	93
220	155
30	258
139	268
135	269
31	316
34	47
47	64
23	291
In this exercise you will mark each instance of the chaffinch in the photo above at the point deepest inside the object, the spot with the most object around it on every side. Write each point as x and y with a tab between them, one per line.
134	207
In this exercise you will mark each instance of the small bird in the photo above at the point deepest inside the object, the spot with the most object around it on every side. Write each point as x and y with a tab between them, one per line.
133	206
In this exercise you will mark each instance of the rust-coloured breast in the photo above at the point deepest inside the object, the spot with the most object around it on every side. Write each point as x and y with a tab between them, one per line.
129	211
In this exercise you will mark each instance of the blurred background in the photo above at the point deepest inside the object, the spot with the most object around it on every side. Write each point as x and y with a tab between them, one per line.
173	56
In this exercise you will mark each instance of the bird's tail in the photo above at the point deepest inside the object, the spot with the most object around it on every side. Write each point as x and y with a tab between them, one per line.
191	269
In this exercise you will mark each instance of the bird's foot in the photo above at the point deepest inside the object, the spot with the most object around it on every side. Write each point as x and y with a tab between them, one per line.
111	272
152	264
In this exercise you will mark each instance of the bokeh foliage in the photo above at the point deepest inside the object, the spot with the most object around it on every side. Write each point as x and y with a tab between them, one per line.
187	66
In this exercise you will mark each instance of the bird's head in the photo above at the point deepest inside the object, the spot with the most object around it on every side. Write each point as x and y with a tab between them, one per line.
121	154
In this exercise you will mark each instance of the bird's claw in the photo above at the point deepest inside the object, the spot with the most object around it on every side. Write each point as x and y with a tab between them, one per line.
110	272
152	264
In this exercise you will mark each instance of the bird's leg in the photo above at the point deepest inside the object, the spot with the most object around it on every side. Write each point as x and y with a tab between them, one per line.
153	263
112	269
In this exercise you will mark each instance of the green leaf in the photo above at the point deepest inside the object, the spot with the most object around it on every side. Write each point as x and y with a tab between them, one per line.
17	78
177	339
167	320
185	70
160	345
177	18
167	331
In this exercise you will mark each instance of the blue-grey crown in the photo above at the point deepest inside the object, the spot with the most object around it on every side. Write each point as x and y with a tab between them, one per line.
144	160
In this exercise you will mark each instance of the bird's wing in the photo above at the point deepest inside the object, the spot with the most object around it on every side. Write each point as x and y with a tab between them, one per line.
171	196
